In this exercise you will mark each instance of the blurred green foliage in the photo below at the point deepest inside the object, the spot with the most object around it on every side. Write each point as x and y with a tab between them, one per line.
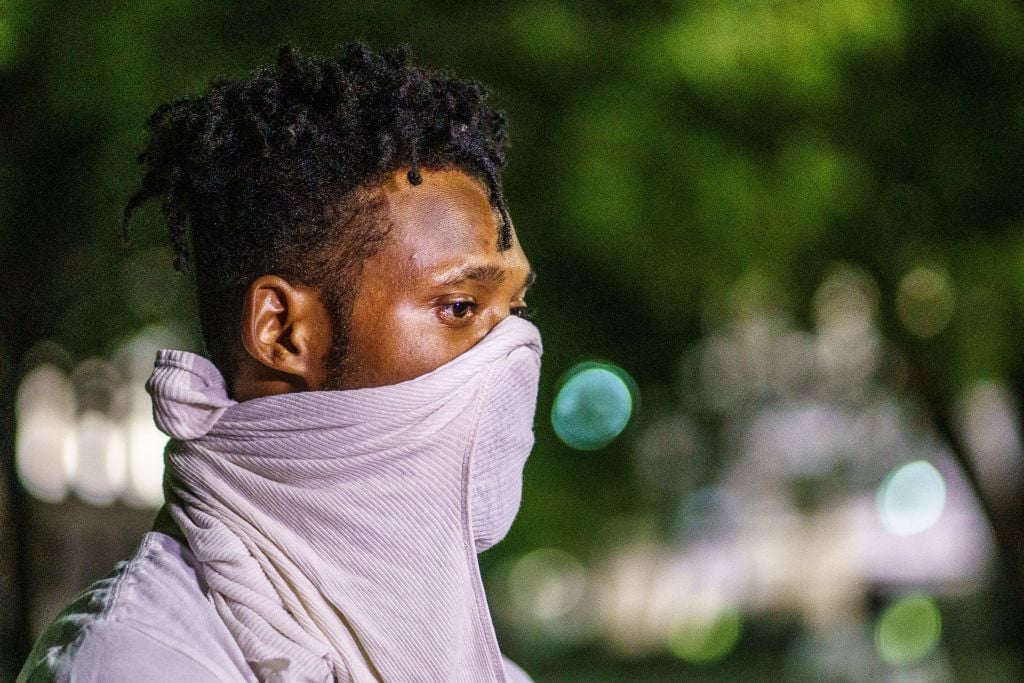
662	151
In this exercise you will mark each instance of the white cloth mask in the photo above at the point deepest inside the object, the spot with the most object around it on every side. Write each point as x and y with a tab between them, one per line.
338	530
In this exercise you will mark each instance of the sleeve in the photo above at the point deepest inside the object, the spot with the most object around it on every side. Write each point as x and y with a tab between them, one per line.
113	652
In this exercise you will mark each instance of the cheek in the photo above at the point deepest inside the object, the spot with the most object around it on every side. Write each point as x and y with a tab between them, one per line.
401	342
420	343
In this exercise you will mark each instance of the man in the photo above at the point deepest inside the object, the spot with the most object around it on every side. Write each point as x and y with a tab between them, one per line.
361	430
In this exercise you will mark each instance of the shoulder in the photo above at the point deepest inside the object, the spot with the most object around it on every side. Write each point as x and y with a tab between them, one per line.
111	651
150	619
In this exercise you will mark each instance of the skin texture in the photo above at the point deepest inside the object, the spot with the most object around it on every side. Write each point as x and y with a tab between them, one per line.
437	286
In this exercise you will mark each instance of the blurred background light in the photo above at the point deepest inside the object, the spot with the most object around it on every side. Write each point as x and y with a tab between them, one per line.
987	414
93	432
842	652
925	301
908	630
540	597
911	498
624	606
848	345
547	584
46	453
707	512
100	475
706	638
593	405
749	188
669	457
144	441
790	48
145	454
102	464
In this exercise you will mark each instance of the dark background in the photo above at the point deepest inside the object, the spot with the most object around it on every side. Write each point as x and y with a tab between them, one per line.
797	226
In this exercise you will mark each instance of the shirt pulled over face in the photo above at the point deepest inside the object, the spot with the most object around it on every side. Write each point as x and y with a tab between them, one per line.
338	530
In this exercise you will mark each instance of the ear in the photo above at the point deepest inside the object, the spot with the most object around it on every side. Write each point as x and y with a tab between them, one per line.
286	330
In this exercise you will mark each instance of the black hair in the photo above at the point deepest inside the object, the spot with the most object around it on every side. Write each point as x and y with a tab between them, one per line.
272	172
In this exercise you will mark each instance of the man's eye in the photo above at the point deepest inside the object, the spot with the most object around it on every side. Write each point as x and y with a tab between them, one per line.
459	309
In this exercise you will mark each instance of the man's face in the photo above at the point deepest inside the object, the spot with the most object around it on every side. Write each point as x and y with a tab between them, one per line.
436	286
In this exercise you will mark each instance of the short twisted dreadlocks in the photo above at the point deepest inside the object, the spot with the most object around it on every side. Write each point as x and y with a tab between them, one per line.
272	173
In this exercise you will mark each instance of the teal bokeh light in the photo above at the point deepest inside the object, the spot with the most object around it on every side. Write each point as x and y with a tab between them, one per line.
593	405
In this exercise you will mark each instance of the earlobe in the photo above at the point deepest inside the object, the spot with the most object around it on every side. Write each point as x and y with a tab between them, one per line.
282	326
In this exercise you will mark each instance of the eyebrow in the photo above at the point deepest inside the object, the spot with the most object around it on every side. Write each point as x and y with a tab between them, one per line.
489	274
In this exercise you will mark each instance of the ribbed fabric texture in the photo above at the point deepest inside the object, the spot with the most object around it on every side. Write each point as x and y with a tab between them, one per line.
338	530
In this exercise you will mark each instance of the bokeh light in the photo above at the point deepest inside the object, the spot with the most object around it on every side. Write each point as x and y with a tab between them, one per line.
145	442
912	498
593	405
669	456
755	48
46	453
547	584
706	640
696	190
145	457
541	598
908	630
99	477
848	346
707	511
93	433
924	301
102	463
988	420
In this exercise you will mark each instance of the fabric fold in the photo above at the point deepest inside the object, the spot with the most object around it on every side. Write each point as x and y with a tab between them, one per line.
338	530
189	394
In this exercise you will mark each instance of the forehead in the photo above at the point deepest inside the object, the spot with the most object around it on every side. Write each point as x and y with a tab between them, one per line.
445	220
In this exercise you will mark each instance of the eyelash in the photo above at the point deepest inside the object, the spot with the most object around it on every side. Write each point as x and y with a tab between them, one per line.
519	311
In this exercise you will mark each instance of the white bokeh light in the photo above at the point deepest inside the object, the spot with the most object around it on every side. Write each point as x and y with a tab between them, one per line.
101	471
145	443
912	498
145	454
45	452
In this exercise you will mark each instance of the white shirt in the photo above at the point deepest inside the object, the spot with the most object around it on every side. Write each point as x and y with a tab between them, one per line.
151	619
